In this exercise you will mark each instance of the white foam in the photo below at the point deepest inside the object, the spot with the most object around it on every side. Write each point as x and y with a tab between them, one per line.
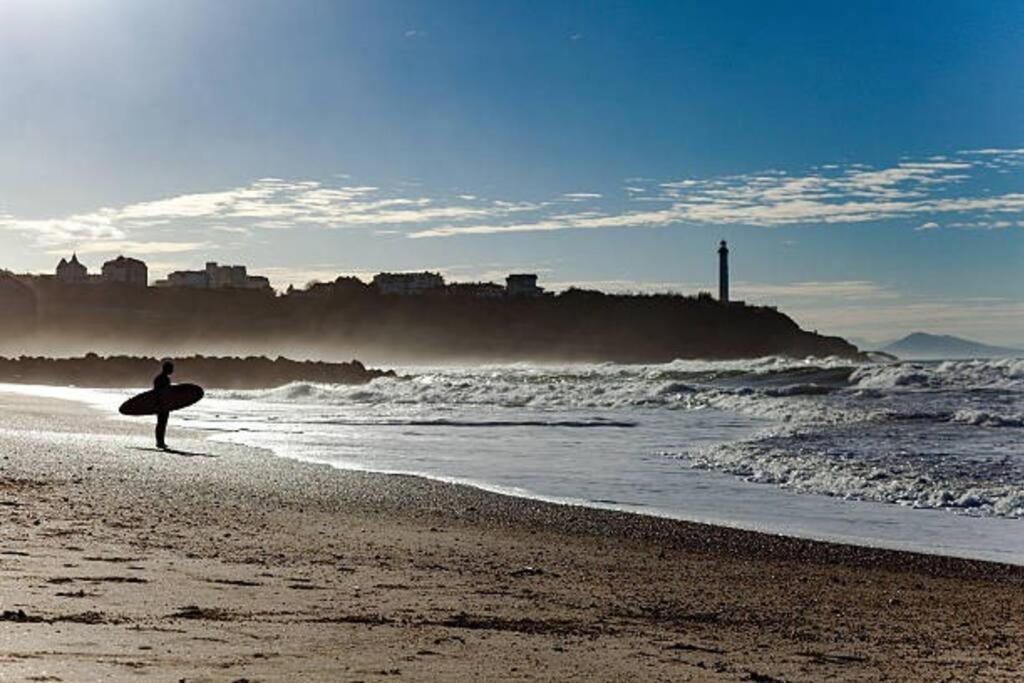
983	418
1004	373
885	478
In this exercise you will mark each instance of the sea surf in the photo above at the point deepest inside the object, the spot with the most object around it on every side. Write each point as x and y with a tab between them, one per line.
917	456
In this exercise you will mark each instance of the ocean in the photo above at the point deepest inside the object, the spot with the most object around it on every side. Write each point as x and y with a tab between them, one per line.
918	456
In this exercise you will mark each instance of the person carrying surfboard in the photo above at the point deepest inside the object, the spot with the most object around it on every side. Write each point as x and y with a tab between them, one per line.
163	399
161	383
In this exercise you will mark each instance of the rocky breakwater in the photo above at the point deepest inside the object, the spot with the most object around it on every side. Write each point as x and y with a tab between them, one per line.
224	372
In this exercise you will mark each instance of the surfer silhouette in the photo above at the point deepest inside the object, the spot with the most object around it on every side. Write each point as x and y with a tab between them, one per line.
161	383
162	400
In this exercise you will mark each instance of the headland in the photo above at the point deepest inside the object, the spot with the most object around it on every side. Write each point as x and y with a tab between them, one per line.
443	323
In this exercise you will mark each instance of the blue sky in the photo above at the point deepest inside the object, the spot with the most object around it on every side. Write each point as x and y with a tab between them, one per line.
865	160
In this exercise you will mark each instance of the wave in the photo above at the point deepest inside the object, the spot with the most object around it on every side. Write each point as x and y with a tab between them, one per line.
917	434
1001	374
612	385
982	418
671	385
886	477
772	388
801	390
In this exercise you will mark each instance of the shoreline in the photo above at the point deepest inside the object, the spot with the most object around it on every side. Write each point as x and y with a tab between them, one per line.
835	550
1011	555
422	577
664	516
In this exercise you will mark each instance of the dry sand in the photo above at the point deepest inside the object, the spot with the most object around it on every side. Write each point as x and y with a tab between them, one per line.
226	563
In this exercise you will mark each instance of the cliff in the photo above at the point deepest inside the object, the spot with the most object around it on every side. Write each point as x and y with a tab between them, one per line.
358	321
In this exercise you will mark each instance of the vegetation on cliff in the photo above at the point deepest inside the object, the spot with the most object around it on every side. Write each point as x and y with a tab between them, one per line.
357	321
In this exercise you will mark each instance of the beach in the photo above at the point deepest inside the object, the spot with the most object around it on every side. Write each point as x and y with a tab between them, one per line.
224	562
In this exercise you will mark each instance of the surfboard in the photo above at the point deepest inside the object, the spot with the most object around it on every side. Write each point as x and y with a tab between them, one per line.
176	397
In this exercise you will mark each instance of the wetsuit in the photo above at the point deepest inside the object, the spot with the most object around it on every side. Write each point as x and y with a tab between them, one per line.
160	383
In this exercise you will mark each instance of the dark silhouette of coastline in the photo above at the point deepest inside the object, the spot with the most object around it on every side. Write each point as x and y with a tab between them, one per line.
92	370
350	318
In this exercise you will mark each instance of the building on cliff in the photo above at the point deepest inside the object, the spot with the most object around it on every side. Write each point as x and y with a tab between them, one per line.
121	270
215	276
127	271
72	272
522	284
407	283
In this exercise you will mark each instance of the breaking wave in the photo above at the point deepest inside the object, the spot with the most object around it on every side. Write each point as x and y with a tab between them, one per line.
913	481
928	435
981	418
678	385
1006	374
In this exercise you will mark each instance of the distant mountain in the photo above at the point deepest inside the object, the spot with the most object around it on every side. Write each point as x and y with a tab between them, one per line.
924	346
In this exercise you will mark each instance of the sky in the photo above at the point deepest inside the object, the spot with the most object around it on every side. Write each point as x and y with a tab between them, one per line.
864	160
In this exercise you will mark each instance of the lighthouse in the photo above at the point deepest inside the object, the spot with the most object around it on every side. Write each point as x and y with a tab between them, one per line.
723	273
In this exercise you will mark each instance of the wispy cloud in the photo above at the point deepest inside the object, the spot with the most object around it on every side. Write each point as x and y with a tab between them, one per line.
948	190
831	290
54	231
829	194
268	203
136	248
986	224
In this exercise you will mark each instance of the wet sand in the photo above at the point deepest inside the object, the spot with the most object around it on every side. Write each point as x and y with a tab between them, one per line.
226	563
